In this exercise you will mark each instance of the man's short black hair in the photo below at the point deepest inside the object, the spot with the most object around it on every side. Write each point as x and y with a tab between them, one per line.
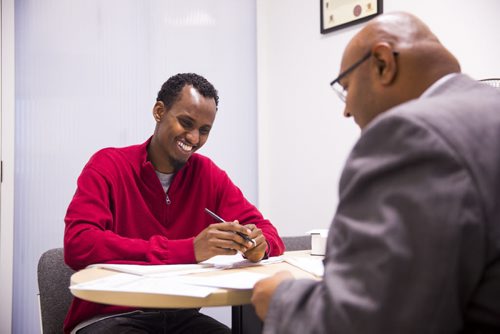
171	89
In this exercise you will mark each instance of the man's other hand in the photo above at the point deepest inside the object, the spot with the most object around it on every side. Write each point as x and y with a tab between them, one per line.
263	291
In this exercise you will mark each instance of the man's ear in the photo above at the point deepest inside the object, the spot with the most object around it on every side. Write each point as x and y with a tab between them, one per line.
385	63
158	111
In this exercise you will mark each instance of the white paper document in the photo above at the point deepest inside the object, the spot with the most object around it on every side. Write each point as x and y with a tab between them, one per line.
215	263
313	265
238	280
157	270
142	284
237	261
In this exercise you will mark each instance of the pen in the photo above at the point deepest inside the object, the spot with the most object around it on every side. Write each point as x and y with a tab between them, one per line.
216	217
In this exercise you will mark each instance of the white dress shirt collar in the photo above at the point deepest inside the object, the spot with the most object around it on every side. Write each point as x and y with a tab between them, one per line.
438	84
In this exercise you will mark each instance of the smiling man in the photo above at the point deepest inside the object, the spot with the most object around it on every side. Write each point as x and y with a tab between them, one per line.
145	204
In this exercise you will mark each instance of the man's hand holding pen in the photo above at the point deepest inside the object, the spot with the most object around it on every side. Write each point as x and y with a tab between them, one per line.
223	239
258	251
227	238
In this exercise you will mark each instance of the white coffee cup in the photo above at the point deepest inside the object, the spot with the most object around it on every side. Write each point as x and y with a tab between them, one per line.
318	241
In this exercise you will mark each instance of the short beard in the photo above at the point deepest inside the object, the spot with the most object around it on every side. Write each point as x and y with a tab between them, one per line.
177	164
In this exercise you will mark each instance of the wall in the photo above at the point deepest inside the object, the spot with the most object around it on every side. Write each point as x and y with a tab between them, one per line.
303	138
87	74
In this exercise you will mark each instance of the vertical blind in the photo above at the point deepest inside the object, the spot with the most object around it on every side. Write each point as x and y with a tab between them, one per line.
87	74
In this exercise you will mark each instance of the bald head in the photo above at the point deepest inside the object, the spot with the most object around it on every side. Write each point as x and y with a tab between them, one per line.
401	29
406	58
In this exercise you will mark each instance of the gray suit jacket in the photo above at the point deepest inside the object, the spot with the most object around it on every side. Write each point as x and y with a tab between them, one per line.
414	246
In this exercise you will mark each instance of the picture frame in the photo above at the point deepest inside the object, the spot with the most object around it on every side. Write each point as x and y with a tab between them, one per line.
338	14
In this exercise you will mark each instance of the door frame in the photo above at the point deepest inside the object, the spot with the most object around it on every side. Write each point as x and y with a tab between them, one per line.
7	125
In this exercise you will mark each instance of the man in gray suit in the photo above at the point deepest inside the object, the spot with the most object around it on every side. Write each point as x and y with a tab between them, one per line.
414	246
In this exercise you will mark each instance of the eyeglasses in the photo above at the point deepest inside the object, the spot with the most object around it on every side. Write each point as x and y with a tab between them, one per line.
335	84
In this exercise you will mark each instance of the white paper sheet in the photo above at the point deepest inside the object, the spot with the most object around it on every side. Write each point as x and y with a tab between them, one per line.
238	261
238	280
155	270
313	265
141	284
215	263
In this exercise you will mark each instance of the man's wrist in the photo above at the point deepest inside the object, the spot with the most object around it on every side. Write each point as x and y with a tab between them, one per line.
267	251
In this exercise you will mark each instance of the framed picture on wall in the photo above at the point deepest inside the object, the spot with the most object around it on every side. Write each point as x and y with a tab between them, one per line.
338	14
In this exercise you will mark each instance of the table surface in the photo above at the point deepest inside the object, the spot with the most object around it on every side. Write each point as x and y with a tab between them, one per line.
221	297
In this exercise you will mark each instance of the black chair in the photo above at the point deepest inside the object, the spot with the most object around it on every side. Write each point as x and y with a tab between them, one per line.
244	319
302	242
494	82
53	286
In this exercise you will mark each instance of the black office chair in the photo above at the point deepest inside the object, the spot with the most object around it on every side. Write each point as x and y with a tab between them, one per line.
54	294
494	82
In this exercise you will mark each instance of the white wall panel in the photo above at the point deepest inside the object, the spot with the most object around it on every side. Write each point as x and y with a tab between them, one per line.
87	74
7	98
303	138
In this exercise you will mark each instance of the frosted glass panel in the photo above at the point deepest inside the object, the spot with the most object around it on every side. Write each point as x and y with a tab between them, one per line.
87	74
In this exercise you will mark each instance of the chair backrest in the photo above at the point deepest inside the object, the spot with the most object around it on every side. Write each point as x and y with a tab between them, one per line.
54	294
495	82
302	242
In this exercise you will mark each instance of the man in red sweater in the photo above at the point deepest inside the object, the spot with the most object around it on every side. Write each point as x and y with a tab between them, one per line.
145	204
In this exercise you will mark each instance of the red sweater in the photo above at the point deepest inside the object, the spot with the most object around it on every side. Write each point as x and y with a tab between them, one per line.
119	214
